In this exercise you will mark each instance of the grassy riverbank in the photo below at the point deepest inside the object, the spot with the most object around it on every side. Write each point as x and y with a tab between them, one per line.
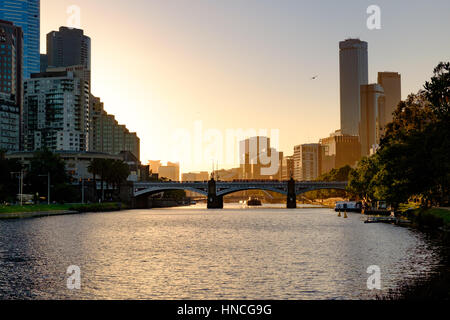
29	211
434	218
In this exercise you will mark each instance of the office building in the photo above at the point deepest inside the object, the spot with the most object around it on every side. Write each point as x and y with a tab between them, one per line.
339	150
392	86
307	162
11	56
68	47
354	72
26	15
372	111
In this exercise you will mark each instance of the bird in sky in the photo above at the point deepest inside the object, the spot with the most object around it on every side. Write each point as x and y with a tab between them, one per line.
314	78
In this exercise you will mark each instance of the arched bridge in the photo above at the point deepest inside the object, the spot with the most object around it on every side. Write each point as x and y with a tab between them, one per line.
216	190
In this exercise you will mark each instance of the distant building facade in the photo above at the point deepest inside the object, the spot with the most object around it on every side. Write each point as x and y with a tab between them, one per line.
26	15
354	72
107	135
339	150
11	90
154	166
195	176
171	171
307	162
392	86
372	115
44	62
287	168
258	161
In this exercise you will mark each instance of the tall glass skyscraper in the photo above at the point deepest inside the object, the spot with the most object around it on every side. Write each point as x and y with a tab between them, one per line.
354	72
25	14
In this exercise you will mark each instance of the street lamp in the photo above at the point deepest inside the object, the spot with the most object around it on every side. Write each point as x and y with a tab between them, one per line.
20	177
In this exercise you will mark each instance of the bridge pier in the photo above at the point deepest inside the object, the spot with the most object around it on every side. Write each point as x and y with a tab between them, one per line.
214	201
291	195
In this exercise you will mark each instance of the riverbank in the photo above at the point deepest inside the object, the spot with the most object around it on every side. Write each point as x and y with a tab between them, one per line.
34	211
434	218
435	286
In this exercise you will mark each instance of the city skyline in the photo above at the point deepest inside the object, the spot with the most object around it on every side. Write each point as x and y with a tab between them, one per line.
186	69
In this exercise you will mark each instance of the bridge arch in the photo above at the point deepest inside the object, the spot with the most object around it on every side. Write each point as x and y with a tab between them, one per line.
151	191
240	189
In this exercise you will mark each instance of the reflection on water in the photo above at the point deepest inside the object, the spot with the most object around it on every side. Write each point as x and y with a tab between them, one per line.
192	253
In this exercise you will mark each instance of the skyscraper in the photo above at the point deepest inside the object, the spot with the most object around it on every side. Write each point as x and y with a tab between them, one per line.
11	56
25	14
372	111
354	72
68	47
392	85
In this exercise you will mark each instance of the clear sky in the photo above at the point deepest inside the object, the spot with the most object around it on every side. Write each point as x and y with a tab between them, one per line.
161	65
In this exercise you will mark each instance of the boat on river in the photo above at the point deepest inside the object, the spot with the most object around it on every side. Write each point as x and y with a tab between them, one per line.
253	202
349	206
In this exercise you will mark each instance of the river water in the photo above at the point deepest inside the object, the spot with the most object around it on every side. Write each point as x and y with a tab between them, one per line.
194	253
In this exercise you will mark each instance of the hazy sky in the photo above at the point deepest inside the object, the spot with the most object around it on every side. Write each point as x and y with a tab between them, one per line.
160	65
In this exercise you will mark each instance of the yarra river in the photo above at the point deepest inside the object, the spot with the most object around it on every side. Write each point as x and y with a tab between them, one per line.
194	253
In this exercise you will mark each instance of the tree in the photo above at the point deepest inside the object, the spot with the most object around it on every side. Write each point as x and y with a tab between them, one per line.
437	91
8	181
362	180
414	154
46	163
94	168
112	172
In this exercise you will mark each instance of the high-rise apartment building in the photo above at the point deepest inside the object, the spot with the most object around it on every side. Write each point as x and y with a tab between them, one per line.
354	72
372	115
54	108
107	136
11	57
26	15
392	85
68	47
307	162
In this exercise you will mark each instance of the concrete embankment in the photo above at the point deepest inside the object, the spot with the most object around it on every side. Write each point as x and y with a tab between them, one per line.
26	215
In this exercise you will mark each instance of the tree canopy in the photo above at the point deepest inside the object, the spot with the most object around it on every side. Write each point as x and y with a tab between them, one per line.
414	154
